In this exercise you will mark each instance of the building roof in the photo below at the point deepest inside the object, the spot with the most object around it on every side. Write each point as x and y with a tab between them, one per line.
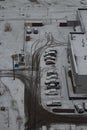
83	17
79	50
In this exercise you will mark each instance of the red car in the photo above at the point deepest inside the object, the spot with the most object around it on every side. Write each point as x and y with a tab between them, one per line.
27	38
50	62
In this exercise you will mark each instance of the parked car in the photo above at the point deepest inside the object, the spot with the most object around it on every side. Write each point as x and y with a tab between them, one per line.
28	30
52	72
35	30
53	80
51	92
51	50
79	108
49	57
50	54
54	103
85	106
54	76
50	62
27	37
16	65
69	71
53	86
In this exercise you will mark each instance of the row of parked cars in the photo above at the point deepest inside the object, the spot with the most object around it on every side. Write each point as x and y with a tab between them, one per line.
52	86
81	107
52	81
50	56
30	30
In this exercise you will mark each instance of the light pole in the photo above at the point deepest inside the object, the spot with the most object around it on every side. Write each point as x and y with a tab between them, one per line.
24	37
13	67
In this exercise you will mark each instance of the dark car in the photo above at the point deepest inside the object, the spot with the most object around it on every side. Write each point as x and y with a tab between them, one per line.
35	30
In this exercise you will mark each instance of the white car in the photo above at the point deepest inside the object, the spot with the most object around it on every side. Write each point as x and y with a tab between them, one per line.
51	72
51	92
51	50
52	80
50	53
54	103
28	30
49	57
53	86
52	76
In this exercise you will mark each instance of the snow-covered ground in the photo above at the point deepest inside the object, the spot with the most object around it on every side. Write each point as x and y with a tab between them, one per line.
11	42
12	99
15	12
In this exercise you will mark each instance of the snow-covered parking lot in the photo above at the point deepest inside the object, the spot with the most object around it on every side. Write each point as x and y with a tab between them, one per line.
16	13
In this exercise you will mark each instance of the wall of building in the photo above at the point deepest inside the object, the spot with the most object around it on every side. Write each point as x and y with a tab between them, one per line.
81	80
80	21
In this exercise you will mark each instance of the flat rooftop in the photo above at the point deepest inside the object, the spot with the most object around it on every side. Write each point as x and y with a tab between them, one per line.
79	50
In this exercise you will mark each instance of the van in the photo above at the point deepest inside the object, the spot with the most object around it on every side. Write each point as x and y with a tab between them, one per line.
79	108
